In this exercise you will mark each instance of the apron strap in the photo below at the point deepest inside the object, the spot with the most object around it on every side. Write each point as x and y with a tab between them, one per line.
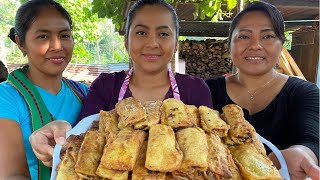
173	84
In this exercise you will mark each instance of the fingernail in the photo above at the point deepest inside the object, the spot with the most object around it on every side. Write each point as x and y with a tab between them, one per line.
61	140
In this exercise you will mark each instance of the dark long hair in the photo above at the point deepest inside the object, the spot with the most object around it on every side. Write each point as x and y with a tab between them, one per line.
271	11
28	12
141	3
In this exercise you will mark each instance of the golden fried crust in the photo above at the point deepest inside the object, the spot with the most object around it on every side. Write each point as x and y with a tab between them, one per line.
140	172
130	111
94	126
123	151
255	141
66	169
234	171
194	115
153	115
103	120
252	164
163	152
112	174
239	130
218	157
194	174
90	153
193	144
211	121
109	121
74	146
174	113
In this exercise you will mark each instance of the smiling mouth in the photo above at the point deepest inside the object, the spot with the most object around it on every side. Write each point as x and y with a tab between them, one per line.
151	57
254	58
57	60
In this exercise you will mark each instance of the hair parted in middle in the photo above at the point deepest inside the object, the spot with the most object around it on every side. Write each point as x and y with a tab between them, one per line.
272	12
141	3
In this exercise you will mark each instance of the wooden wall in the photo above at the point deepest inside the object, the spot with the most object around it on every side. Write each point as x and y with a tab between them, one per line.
305	51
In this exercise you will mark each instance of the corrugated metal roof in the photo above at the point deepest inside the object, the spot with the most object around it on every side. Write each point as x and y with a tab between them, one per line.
93	69
118	67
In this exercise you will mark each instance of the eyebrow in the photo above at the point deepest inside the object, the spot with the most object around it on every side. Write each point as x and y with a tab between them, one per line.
159	27
48	31
248	30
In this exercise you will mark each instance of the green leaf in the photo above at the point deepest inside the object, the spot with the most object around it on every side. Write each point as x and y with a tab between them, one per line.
217	5
231	4
215	18
202	15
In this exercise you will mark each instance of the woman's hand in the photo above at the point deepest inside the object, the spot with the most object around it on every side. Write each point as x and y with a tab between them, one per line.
44	139
301	161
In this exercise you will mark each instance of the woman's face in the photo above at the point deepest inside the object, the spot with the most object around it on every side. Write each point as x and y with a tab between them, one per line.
255	48
48	43
151	41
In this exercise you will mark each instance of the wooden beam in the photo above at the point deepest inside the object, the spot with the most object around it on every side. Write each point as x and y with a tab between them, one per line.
294	3
297	72
285	66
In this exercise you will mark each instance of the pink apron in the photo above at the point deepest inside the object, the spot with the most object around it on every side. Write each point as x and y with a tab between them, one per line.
173	82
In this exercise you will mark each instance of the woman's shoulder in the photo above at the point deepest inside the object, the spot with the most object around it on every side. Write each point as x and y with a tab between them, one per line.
193	90
216	79
185	78
107	77
11	101
189	82
297	85
216	83
108	81
7	89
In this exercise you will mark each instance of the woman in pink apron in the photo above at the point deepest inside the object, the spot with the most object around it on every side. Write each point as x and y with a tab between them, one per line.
151	40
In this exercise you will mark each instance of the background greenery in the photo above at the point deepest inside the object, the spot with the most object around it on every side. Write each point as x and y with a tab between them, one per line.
95	21
96	41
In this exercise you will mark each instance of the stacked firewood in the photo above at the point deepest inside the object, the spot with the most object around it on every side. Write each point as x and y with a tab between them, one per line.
207	58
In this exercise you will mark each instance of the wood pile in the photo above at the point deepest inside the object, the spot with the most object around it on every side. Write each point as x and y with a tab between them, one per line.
207	58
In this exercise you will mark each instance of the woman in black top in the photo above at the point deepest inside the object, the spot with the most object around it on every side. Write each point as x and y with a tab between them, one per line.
283	109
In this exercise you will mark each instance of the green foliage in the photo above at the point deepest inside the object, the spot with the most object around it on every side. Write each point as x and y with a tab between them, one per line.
7	15
85	27
288	42
95	39
203	8
110	9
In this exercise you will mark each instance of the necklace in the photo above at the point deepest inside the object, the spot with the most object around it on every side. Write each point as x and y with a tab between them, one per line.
253	93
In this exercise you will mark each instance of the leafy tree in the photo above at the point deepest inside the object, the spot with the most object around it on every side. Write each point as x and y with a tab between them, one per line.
7	14
8	10
85	28
203	8
110	47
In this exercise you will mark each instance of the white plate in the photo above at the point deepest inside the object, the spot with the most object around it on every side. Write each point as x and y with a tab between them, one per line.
85	123
81	127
